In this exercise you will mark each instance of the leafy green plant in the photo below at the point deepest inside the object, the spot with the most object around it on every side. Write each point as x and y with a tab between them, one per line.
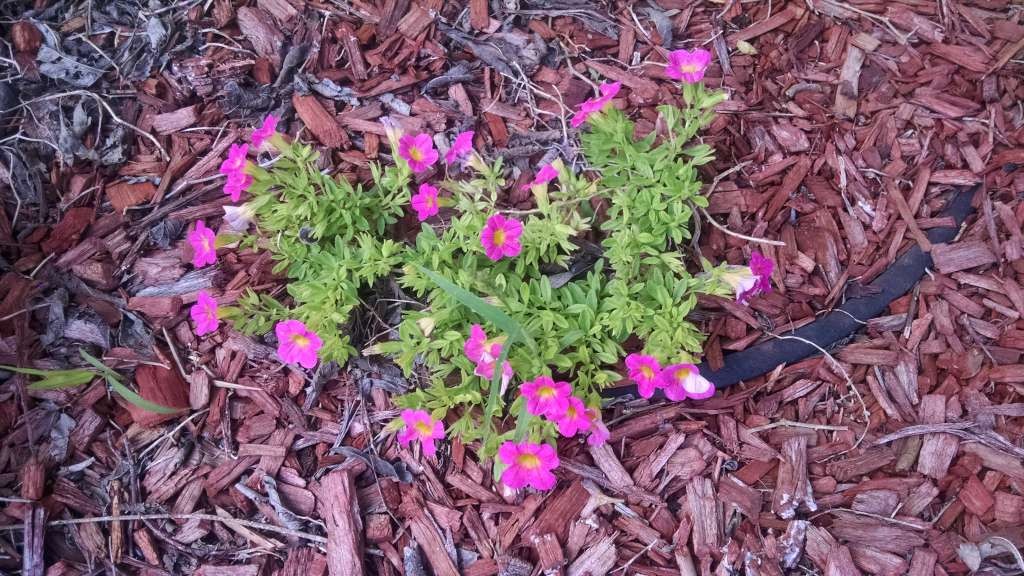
598	260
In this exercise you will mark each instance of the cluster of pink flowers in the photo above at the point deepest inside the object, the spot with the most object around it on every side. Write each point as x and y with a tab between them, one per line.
554	401
419	154
677	381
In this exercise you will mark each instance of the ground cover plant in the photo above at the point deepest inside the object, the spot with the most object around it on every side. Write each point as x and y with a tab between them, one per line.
521	317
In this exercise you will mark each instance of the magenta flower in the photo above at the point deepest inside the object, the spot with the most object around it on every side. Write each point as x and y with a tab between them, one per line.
204	313
500	237
462	145
418	151
574	419
419	425
681	381
644	371
528	464
424	202
485	369
749	281
265	131
608	91
545	397
477	346
297	344
599	433
544	175
687	66
237	183
235	162
204	245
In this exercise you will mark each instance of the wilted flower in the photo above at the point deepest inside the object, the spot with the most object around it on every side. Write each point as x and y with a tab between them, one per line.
574	419
608	91
462	145
238	218
485	354
528	464
265	131
546	174
500	237
545	397
418	151
297	344
644	370
424	202
688	66
681	381
599	433
749	281
204	245
235	162
204	313
419	425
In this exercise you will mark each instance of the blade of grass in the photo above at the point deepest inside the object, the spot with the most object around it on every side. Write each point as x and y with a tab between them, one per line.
53	379
489	312
114	381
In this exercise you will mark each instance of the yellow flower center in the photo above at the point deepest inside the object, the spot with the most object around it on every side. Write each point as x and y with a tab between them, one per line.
300	340
682	374
416	154
211	313
424	428
528	461
545	392
499	237
689	68
647	372
206	243
570	412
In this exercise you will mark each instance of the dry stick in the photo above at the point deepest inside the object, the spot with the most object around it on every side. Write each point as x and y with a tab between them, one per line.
779	423
711	188
193	516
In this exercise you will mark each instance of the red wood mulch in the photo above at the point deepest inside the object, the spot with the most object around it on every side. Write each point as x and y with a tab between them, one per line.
846	125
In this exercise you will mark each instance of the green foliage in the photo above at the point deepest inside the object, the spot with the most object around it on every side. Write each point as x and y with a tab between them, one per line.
60	379
558	315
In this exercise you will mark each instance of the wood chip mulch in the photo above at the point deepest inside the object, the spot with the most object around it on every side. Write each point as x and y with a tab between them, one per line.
846	126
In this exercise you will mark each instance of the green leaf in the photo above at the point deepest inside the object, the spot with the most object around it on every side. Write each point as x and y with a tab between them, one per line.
114	380
54	379
489	312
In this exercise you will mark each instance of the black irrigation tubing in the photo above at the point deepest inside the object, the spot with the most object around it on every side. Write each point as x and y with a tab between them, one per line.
839	324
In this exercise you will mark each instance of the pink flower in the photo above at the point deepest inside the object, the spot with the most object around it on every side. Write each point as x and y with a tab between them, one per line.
599	433
264	131
485	353
204	313
418	151
687	66
528	464
419	425
544	175
681	381
477	345
237	183
297	344
749	281
462	145
204	245
235	162
424	202
574	419
545	397
644	370
608	91
500	237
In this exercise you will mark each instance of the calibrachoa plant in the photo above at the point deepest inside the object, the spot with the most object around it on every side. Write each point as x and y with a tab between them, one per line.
597	262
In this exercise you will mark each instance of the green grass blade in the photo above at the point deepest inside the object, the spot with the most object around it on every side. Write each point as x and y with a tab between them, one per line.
489	312
63	379
130	395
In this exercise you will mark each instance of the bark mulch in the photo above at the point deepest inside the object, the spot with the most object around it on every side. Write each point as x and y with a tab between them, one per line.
901	452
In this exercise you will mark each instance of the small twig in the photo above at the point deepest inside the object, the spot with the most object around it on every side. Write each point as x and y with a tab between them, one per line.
917	527
737	234
193	516
780	423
